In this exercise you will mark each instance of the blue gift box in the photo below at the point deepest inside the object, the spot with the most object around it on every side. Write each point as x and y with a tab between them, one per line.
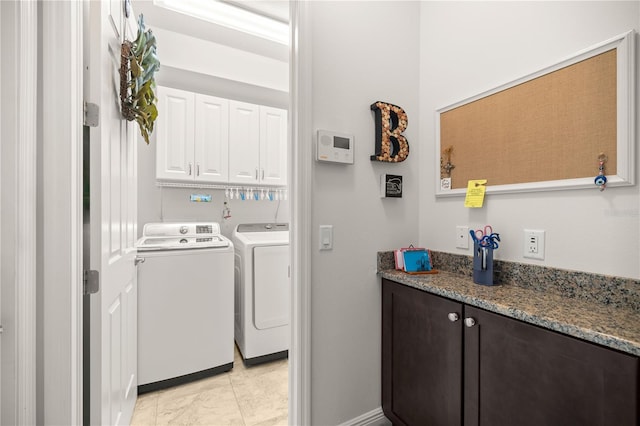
416	261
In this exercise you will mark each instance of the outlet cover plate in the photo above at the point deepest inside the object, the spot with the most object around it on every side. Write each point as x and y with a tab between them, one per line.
533	244
462	237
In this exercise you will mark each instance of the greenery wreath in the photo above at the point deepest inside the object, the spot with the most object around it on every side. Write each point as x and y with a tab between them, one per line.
139	63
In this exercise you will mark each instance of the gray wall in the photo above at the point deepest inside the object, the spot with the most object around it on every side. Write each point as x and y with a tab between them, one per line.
362	52
469	47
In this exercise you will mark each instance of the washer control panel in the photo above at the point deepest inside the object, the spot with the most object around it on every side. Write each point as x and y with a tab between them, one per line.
263	227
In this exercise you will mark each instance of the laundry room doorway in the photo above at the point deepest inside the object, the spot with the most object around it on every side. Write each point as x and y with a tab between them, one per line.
192	53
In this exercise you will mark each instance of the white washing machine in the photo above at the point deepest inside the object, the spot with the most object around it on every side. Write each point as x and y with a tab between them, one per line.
262	291
185	304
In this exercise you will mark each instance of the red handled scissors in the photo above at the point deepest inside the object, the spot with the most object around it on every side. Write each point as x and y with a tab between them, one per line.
485	237
487	231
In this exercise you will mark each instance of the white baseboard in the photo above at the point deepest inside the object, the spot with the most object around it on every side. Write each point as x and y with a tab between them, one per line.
372	418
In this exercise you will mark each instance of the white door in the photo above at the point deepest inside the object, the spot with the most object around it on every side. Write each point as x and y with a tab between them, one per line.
175	133
113	148
244	142
212	139
273	146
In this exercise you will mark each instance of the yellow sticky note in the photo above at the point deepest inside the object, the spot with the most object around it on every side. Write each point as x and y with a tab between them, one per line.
475	193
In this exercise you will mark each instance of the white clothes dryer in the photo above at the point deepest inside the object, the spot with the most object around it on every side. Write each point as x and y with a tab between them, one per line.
262	291
185	304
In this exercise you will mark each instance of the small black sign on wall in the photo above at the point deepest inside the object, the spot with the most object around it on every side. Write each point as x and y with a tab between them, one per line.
390	186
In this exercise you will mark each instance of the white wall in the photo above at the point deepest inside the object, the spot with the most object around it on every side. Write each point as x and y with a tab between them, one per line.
206	57
362	52
469	47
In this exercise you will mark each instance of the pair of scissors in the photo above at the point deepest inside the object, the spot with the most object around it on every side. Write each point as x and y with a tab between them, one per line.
482	233
485	237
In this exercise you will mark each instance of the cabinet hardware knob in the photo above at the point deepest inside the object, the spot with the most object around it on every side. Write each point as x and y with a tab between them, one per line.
189	169
453	316
138	260
469	322
197	169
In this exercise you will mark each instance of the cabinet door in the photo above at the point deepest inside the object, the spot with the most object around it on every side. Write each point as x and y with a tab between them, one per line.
211	139
520	374
244	142
273	146
174	151
421	357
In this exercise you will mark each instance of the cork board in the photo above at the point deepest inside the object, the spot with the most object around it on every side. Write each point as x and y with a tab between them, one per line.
551	127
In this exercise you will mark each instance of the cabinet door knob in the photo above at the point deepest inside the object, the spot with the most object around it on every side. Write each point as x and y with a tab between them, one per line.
453	316
189	169
469	322
197	169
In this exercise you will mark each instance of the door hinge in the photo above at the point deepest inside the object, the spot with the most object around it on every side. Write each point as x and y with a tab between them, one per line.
91	115
91	281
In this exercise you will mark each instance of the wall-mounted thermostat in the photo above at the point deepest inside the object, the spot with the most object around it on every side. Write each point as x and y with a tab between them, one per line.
334	147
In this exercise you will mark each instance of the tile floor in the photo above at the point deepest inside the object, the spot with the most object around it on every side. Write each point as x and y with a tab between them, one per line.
253	396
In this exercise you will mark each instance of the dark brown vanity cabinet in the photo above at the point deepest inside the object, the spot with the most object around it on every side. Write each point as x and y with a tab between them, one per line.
421	357
445	363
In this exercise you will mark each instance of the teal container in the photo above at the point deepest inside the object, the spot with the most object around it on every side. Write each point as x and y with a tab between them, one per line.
417	261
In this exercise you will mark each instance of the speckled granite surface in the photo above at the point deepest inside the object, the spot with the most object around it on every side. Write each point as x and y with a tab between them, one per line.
599	309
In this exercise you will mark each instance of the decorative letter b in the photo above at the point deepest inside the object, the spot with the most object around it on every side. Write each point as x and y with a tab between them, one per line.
391	121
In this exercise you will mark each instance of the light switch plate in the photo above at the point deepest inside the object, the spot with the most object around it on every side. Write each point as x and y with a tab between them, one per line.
326	237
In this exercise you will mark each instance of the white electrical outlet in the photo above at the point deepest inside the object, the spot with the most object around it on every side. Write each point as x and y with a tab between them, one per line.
533	244
462	237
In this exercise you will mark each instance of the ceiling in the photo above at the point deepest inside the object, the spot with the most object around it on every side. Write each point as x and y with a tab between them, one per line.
278	9
156	16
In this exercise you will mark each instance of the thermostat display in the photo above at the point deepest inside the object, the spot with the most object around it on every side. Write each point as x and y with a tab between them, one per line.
334	147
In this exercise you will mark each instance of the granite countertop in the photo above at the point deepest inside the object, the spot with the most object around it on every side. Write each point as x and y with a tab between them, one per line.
612	325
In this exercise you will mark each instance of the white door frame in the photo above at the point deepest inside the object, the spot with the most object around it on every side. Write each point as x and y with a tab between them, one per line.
61	233
18	188
300	156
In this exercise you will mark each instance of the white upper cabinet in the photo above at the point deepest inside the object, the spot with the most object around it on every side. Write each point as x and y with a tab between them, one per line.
204	139
193	135
174	158
257	144
212	139
244	142
273	146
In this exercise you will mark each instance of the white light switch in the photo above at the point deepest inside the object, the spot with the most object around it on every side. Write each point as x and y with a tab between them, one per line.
326	237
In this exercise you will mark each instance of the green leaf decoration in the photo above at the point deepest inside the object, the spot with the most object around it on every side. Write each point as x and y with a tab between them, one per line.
139	63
